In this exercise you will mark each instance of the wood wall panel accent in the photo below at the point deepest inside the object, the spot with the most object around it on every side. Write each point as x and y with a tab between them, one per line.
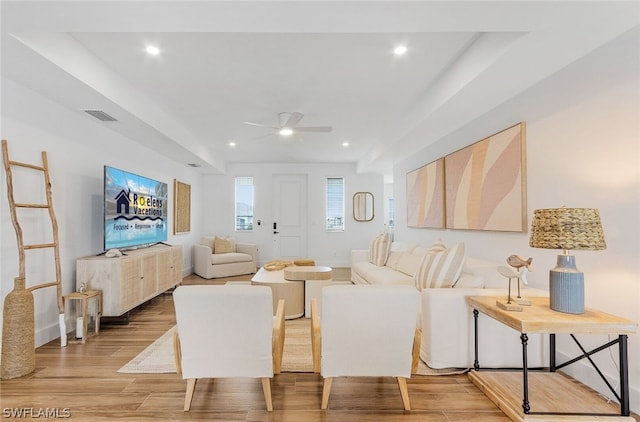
181	207
485	183
425	196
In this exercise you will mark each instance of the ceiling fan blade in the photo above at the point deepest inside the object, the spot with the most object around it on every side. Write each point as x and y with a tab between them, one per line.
313	129
257	124
293	120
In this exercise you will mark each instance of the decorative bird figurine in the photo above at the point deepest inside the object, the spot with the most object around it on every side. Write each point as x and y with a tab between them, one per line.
523	266
516	261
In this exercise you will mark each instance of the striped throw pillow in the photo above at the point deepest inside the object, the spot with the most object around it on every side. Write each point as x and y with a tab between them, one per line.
379	249
438	246
440	269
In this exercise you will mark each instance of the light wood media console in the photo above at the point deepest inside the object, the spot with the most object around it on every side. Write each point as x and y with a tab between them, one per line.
132	279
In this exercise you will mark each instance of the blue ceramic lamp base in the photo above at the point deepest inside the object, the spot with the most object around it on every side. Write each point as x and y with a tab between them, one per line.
566	286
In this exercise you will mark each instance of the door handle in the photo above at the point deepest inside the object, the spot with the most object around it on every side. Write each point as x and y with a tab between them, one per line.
275	228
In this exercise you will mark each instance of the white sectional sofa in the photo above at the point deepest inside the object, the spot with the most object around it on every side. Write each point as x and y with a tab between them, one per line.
445	319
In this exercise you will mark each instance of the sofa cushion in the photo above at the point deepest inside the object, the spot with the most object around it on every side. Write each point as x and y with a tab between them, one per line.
440	269
373	274
385	275
224	245
208	241
230	258
409	261
379	249
397	249
488	270
392	260
469	281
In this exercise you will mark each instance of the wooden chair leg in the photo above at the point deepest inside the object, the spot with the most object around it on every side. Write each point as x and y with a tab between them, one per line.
266	389
316	342
278	337
417	338
191	386
404	392
177	352
326	390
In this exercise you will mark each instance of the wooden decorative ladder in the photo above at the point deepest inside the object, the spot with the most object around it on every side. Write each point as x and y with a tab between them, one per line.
8	164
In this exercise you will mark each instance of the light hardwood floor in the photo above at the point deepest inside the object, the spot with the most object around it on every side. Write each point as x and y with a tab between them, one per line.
83	378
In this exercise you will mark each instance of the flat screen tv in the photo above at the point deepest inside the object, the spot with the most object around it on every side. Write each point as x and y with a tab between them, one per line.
135	210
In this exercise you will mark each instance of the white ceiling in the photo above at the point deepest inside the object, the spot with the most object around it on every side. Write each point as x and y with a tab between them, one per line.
224	63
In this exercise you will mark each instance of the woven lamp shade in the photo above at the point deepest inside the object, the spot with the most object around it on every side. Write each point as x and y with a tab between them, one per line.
567	228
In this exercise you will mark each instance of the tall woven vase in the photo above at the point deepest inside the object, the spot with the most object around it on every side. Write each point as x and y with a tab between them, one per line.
18	332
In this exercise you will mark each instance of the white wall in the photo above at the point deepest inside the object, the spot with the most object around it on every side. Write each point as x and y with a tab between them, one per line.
77	148
325	248
583	150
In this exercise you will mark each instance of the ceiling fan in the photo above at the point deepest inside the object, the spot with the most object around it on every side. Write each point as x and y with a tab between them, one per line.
288	124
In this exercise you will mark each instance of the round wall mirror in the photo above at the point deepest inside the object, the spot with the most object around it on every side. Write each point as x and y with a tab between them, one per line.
363	206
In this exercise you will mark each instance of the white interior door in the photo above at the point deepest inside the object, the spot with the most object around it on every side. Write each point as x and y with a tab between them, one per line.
290	216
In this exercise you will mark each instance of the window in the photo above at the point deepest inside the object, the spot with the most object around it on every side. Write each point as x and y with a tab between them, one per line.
391	212
335	203
244	203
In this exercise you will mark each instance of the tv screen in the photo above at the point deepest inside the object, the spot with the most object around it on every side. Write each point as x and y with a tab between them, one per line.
135	209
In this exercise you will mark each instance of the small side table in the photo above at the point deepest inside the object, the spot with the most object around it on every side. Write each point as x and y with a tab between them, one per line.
571	401
291	291
315	278
84	299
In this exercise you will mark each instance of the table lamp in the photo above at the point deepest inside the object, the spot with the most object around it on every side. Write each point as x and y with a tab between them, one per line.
567	229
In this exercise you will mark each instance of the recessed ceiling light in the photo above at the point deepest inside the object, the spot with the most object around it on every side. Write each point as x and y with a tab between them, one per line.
285	131
400	50
231	144
345	144
153	50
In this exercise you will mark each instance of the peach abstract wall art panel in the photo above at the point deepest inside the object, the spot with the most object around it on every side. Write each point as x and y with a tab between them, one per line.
425	196
485	184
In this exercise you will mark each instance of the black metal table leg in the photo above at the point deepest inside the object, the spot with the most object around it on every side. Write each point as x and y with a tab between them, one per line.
525	375
476	363
624	375
552	352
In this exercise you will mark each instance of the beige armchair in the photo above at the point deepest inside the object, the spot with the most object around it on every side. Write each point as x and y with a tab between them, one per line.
366	331
240	259
227	331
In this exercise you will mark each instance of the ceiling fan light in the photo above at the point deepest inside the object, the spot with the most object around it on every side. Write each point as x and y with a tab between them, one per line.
153	50
400	50
285	131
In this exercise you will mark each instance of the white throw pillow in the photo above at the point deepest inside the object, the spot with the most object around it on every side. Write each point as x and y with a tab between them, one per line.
469	281
379	249
440	269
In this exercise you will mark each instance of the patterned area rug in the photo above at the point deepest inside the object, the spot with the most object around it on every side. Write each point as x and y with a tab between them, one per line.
158	358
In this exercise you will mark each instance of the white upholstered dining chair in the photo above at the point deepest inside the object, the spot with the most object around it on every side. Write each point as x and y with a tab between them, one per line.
227	331
366	331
